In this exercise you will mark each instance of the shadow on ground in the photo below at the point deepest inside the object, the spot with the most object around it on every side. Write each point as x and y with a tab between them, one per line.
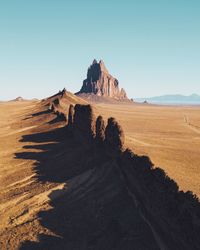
93	211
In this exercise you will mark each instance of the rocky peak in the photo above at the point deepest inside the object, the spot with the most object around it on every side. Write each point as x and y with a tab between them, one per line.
101	83
103	67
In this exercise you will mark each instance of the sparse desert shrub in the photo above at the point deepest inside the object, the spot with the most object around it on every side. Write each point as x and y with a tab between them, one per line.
114	136
100	130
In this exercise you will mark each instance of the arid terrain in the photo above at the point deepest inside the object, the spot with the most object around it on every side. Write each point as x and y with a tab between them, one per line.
100	125
44	194
169	135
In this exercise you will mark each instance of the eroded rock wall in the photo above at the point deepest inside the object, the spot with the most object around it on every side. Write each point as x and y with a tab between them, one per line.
173	215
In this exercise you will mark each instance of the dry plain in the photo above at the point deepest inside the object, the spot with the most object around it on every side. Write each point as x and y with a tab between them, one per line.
169	135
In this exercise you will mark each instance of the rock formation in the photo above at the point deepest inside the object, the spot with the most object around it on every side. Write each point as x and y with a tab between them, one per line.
99	82
56	101
100	130
84	122
70	117
114	136
173	215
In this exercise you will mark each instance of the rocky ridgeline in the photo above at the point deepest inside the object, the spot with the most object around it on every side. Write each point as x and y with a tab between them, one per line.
99	82
173	214
55	107
100	131
84	122
114	136
70	118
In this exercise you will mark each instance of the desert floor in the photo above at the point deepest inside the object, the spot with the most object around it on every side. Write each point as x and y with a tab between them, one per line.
49	186
169	135
21	195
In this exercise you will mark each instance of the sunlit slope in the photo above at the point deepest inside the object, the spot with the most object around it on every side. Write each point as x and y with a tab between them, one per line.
56	193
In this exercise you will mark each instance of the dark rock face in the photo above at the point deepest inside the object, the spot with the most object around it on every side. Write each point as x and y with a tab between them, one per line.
84	122
101	83
61	116
100	130
70	117
114	136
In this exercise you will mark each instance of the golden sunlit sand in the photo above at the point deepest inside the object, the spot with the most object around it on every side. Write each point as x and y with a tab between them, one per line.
169	135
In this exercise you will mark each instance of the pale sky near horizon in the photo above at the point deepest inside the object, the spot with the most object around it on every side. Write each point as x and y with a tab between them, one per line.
151	46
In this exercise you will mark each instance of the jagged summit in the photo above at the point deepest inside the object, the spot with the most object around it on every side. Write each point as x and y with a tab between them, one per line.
100	83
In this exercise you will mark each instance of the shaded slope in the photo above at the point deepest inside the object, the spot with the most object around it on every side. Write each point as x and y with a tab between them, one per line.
93	211
98	197
168	213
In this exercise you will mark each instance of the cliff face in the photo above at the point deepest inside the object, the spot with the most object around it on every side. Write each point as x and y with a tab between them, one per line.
101	83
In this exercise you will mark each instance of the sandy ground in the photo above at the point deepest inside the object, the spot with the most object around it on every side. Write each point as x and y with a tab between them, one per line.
46	200
169	135
21	196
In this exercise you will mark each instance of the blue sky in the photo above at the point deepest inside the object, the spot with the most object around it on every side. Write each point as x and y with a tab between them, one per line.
151	46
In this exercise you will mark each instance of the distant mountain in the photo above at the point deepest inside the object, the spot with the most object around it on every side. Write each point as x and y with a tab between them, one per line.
99	83
171	99
18	99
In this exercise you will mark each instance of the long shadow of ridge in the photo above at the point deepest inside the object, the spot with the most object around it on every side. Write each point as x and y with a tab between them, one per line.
94	210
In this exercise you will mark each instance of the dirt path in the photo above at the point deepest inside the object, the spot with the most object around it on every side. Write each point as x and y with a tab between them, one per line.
192	127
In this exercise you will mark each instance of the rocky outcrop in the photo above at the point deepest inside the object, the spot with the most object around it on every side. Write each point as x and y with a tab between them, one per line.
114	136
84	122
100	131
56	101
70	117
99	82
173	215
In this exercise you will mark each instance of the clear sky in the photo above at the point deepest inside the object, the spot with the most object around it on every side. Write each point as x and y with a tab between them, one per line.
151	46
